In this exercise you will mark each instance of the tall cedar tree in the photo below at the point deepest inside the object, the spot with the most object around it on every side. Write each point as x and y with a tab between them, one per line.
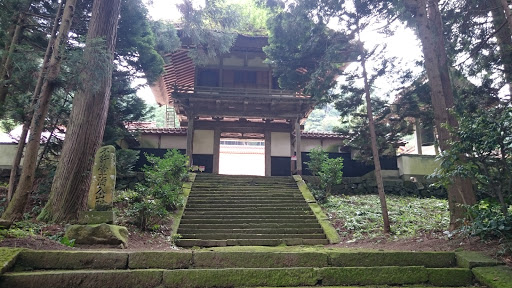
15	208
26	123
430	31
72	179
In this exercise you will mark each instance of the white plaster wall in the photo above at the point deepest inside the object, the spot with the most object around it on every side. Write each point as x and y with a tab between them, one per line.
280	145
233	61
307	144
256	62
416	164
329	145
203	142
173	142
7	154
148	141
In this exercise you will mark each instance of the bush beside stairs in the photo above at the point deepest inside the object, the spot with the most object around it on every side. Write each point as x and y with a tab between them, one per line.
254	267
227	210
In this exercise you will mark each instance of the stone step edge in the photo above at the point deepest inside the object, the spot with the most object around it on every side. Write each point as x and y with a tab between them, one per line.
252	277
188	259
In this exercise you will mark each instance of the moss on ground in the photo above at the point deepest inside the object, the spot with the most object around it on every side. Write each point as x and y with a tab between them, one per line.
450	277
83	278
373	275
470	259
240	277
329	230
494	277
8	257
176	217
161	260
69	260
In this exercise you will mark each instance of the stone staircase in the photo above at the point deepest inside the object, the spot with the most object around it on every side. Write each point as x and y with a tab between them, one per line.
249	267
231	210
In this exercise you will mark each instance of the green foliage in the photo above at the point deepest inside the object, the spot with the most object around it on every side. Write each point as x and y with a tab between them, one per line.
67	242
211	29
360	217
484	138
317	158
125	162
164	178
159	193
21	229
329	171
487	220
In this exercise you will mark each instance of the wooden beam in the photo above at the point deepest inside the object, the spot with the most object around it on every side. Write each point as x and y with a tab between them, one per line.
297	147
268	153
419	140
190	139
216	150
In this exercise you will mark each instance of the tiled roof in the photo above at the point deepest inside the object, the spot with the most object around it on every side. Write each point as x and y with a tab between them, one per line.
173	131
183	131
322	135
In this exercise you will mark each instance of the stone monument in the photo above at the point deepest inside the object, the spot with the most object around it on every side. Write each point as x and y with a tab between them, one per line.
103	184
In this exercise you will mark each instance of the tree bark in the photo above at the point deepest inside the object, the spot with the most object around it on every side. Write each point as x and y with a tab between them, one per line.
26	125
430	30
70	187
506	9
20	198
375	150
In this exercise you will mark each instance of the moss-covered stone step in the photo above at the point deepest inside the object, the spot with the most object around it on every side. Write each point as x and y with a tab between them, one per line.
242	221
275	205
252	208
262	201
248	225
494	277
250	212
229	217
184	231
220	236
245	197
227	277
250	242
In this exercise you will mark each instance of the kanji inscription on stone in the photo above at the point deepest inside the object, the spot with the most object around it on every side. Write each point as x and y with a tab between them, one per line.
103	180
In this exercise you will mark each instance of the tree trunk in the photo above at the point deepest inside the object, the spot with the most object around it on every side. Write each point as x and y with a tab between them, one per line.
87	121
26	125
506	9
375	150
20	198
430	25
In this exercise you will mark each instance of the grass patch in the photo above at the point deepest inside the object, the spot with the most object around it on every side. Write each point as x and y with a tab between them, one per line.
359	216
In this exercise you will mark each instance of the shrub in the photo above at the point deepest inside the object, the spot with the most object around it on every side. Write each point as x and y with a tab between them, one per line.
488	221
329	171
159	193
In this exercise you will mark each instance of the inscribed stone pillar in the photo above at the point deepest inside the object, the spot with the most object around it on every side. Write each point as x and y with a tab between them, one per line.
103	184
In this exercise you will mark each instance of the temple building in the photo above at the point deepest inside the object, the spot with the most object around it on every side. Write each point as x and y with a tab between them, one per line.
234	96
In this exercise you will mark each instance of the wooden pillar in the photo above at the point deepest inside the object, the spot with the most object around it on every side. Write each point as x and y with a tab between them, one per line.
419	140
216	150
190	139
268	153
297	147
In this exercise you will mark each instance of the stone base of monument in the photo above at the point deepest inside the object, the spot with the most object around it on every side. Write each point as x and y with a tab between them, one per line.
98	234
96	217
5	224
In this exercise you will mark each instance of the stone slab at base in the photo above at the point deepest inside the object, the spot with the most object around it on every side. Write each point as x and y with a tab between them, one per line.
98	234
96	217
